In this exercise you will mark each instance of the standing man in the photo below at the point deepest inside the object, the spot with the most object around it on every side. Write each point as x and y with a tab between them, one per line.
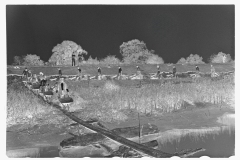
158	71
138	70
73	59
174	71
79	73
197	69
119	72
99	73
59	72
25	73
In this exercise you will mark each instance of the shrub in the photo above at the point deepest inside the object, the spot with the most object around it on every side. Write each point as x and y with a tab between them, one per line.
111	59
194	59
154	59
32	60
182	61
92	61
220	58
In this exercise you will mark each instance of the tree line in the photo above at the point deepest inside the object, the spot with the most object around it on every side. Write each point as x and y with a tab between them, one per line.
133	51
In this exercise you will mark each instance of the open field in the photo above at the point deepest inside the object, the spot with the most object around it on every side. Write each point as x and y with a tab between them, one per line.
167	103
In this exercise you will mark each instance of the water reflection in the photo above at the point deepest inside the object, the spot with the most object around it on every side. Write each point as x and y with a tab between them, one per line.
218	141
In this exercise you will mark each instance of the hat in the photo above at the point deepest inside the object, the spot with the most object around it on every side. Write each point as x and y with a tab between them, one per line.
59	69
41	73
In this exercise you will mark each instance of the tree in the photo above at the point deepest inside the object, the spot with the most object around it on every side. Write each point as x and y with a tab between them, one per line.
194	59
220	58
135	51
182	61
62	53
17	60
154	59
32	60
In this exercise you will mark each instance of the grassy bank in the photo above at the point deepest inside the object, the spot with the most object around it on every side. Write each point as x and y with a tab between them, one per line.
23	107
112	101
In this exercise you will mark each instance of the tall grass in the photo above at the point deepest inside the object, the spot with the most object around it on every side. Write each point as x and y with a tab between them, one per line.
23	107
112	101
155	99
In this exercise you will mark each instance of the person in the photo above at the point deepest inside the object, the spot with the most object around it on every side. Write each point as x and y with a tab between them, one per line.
174	71
43	82
25	73
99	76
119	71
138	70
197	69
99	71
79	73
59	72
158	71
29	75
62	88
73	59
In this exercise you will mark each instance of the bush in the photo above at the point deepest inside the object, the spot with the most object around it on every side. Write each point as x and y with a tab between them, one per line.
111	59
32	60
154	59
194	59
220	58
92	61
182	61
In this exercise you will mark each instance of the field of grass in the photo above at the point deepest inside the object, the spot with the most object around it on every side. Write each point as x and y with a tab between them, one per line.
113	100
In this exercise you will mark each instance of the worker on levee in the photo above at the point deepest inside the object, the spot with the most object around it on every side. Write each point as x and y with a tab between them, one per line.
29	75
79	75
59	73
138	70
158	72
43	82
197	69
25	73
99	73
119	72
174	72
62	88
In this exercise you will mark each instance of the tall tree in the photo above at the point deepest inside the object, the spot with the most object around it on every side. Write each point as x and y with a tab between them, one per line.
62	53
135	51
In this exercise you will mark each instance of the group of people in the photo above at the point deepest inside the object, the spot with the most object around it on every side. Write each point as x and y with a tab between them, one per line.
80	59
40	82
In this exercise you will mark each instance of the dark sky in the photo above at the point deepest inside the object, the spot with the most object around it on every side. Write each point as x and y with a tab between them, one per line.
173	31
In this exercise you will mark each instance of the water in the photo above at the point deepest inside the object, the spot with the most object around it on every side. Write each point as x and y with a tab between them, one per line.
219	142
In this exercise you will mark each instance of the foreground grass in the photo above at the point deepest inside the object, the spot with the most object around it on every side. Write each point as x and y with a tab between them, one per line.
23	107
112	101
